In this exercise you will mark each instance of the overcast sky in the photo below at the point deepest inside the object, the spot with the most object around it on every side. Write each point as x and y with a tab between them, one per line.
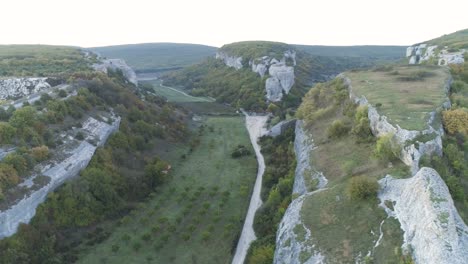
90	23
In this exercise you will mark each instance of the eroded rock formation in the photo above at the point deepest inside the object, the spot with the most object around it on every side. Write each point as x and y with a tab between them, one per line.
442	55
117	64
13	88
280	72
76	159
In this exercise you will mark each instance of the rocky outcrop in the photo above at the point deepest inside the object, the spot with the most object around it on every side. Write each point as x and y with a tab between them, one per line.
14	88
117	64
281	127
305	174
280	72
78	158
421	53
433	229
231	61
289	244
410	154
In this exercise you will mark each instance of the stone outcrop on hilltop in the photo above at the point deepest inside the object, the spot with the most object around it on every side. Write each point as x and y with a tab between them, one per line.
433	229
13	88
280	72
115	64
421	53
77	157
410	154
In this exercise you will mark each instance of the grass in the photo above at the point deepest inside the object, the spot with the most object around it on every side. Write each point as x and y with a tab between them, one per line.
196	217
405	100
343	228
174	94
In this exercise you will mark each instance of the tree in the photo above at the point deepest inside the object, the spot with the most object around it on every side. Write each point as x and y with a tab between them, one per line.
262	255
22	117
7	132
385	149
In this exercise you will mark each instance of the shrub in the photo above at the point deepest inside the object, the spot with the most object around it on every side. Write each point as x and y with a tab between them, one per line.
337	129
62	93
362	187
262	255
40	153
455	121
385	150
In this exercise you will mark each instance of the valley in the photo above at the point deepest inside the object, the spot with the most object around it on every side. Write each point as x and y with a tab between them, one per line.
258	152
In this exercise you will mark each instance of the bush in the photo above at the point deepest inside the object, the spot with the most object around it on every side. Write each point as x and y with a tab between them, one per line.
337	129
40	153
455	121
362	187
385	150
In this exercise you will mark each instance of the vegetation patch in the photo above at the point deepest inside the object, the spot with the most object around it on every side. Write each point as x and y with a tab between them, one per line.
401	96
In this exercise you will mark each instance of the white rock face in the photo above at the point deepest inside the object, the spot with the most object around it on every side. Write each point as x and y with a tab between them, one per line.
273	89
281	75
115	64
303	146
421	53
281	127
289	246
235	62
14	88
23	210
431	224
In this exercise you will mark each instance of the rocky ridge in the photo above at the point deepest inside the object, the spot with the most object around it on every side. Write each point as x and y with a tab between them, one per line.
76	158
433	230
421	53
117	64
280	73
289	246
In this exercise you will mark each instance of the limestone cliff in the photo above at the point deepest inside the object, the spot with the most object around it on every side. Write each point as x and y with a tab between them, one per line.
280	73
77	158
433	231
115	64
423	53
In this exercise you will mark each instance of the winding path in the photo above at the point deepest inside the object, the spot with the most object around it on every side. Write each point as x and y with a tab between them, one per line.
255	125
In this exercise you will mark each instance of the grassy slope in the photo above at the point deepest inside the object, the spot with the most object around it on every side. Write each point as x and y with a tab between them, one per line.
40	60
341	228
406	103
456	40
209	166
158	56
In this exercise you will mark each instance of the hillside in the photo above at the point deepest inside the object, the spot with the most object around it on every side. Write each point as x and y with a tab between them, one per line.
253	74
370	53
156	57
456	40
41	60
377	149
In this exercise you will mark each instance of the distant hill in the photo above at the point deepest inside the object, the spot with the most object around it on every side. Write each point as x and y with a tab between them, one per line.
41	60
155	57
366	53
236	79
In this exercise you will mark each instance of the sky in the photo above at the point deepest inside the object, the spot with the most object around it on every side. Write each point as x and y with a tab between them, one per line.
90	23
